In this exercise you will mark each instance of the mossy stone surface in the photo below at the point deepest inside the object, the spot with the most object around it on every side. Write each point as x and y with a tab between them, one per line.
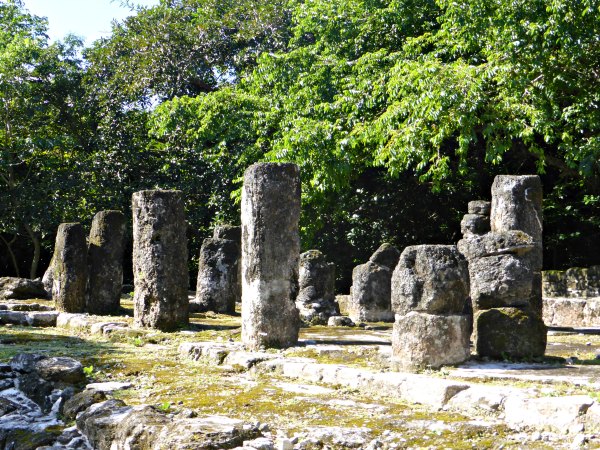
512	333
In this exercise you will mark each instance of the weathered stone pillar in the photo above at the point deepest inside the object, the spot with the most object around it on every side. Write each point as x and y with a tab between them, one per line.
160	269
218	286
430	287
517	205
69	265
316	297
270	254
370	294
105	262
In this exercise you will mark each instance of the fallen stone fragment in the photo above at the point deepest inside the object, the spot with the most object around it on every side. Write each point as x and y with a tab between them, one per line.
60	368
82	401
340	321
21	288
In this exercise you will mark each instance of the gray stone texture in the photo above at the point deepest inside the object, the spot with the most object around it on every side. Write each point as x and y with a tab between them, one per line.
48	279
554	283
316	296
105	262
218	286
514	333
432	279
270	255
481	207
422	340
517	205
386	255
498	281
231	232
160	260
21	288
70	268
474	224
370	294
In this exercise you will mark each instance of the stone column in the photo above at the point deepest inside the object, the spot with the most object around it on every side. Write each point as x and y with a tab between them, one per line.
69	265
160	269
218	286
105	262
370	294
517	205
270	255
316	297
430	287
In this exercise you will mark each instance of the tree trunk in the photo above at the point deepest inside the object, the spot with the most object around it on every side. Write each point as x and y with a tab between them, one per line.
11	253
36	250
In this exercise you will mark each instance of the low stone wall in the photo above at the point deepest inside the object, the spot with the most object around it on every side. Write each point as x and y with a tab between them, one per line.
572	297
576	282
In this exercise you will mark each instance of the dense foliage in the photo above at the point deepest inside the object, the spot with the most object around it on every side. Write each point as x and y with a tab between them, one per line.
397	111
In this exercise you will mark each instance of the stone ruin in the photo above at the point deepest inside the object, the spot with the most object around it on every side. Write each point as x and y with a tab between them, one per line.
370	294
69	268
572	297
505	269
430	287
106	245
270	255
160	254
219	285
316	297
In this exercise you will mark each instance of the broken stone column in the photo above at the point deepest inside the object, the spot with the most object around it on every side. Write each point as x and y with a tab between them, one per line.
69	265
316	298
430	287
218	287
160	269
370	294
270	255
504	270
501	282
517	205
105	262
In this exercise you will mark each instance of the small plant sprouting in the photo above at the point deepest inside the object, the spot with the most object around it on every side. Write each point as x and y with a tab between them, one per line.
165	406
88	371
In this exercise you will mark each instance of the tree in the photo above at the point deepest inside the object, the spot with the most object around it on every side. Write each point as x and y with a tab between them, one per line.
39	85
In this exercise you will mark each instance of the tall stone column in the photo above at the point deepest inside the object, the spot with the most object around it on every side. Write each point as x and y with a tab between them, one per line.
105	262
270	255
69	268
160	269
517	205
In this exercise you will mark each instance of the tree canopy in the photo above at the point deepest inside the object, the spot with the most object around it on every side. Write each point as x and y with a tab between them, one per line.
397	111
